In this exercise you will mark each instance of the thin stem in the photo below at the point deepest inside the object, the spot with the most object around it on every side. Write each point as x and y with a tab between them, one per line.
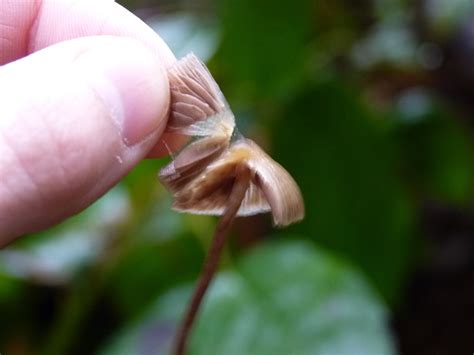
212	260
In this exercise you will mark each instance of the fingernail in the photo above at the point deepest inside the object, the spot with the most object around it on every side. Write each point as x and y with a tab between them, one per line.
130	79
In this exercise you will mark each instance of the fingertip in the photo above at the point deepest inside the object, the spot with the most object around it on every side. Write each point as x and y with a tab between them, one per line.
75	118
69	19
29	26
133	83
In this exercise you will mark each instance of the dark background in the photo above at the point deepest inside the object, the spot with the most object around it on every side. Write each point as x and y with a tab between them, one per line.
369	105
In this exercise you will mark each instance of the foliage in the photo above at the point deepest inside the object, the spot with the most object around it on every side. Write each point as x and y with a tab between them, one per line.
282	298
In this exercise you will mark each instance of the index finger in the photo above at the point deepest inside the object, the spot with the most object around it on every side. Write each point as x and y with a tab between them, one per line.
28	26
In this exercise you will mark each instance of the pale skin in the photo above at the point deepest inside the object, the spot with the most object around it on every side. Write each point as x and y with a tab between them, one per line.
84	97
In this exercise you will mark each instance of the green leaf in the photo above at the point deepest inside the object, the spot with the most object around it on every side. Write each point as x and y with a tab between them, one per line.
146	269
264	45
438	157
56	255
282	298
347	167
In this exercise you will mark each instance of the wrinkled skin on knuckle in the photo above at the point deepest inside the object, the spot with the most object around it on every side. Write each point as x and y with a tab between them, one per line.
52	157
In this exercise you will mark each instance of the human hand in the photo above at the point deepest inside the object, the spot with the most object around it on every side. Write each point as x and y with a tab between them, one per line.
83	98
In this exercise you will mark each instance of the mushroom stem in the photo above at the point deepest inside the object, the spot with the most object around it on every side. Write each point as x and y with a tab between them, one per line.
239	188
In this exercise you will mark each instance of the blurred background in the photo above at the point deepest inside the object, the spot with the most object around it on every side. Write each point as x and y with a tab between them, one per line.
369	105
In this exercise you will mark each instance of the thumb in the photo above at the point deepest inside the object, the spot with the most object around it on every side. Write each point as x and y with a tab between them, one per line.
74	118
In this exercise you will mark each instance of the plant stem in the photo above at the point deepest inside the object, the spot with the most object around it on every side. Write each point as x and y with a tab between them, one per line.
211	264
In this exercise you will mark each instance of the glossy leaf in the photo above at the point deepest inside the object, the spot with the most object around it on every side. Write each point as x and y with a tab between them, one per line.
282	298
